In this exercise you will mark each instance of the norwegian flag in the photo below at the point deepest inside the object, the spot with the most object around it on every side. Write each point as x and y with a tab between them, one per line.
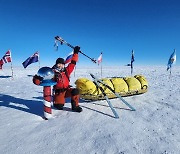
1	64
99	59
6	58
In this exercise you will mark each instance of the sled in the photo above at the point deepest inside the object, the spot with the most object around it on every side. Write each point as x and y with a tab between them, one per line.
124	86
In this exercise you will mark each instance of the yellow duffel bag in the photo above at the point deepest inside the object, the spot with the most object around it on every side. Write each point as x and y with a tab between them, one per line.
86	86
126	86
109	83
142	80
119	85
133	84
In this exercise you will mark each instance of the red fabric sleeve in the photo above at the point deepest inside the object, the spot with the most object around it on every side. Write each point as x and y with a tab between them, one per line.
75	57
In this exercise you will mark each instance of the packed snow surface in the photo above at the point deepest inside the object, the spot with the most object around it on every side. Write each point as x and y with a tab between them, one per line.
152	129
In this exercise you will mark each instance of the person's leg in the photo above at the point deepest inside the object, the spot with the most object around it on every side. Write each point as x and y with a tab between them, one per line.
59	99
74	94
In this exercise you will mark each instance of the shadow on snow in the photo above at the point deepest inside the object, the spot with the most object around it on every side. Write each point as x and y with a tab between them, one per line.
36	107
6	76
32	106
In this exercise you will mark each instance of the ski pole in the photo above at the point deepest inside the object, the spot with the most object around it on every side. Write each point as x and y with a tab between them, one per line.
62	41
119	96
105	96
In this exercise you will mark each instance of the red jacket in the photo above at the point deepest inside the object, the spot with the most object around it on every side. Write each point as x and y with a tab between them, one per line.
62	78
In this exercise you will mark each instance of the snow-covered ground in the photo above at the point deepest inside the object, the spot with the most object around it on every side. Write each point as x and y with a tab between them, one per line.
152	129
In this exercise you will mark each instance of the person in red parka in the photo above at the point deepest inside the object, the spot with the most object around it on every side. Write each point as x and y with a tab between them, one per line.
62	89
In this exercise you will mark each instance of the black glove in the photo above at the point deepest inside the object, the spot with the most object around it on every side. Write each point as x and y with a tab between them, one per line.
76	49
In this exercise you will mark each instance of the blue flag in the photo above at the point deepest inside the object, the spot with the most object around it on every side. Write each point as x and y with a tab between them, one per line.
34	58
171	60
132	60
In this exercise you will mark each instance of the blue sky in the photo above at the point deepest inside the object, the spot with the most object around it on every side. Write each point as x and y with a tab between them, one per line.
114	27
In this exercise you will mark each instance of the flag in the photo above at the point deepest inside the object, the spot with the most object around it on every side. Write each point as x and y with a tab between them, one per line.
7	57
132	58
171	60
34	58
99	59
1	64
69	57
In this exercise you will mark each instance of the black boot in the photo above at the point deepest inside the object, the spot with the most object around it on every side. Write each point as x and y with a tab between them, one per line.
59	106
75	100
74	107
77	109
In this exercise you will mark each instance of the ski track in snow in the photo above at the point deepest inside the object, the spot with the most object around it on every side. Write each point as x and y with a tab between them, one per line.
152	129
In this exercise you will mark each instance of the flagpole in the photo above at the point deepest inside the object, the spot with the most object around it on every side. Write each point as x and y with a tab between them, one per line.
170	74
101	69
12	71
11	64
39	63
39	58
100	61
74	71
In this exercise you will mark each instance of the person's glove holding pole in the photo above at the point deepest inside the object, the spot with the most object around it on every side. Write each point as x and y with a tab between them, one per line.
76	49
